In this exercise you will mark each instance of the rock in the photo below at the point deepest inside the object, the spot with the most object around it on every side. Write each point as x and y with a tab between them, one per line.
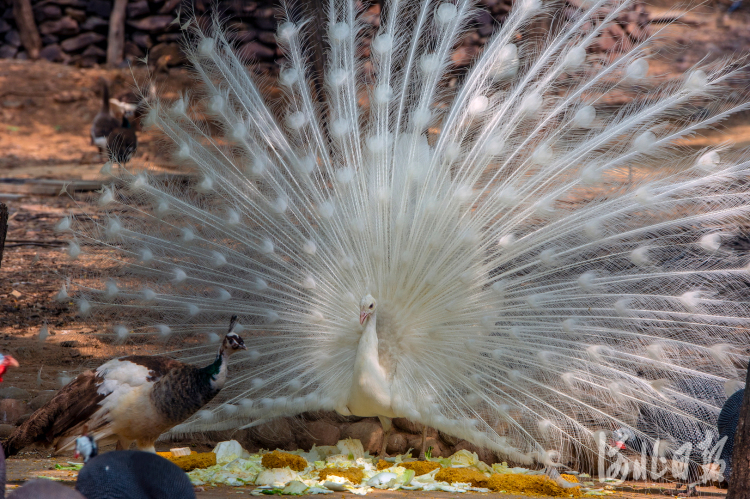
94	23
245	36
368	432
7	51
21	56
4	26
47	12
142	40
98	53
23	419
485	23
244	8
49	40
267	37
318	433
11	410
463	55
404	424
42	397
81	41
79	4
171	52
448	439
265	21
254	51
138	9
415	442
6	430
276	434
12	38
72	343
169	6
152	23
66	26
170	37
132	50
12	392
398	443
101	8
77	14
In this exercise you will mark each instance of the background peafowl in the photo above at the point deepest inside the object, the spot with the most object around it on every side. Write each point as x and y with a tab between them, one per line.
543	263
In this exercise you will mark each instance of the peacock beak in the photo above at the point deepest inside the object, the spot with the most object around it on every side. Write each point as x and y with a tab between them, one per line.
363	316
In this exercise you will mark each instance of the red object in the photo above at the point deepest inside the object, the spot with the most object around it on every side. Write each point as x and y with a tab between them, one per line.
7	362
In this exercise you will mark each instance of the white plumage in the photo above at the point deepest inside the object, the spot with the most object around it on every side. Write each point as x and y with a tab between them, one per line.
539	258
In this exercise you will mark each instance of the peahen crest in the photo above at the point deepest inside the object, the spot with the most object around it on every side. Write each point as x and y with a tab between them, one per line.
546	264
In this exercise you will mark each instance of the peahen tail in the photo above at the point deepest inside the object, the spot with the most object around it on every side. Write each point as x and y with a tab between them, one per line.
547	263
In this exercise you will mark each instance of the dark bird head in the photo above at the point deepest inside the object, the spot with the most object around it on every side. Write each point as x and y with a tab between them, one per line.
623	438
86	447
232	341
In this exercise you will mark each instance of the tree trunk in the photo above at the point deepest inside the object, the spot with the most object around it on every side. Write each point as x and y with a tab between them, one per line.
3	229
30	38
116	39
739	486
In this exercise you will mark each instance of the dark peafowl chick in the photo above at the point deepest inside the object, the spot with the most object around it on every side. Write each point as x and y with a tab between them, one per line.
122	143
727	426
104	122
126	400
129	474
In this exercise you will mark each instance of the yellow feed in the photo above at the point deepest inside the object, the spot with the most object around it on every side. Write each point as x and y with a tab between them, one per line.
532	484
193	461
462	475
278	459
420	467
354	475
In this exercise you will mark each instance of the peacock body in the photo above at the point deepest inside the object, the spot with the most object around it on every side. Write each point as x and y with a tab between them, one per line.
545	265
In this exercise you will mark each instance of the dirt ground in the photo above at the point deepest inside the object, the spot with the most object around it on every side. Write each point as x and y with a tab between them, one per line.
45	113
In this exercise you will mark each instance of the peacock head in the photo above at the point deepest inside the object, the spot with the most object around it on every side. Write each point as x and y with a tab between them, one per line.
366	308
232	341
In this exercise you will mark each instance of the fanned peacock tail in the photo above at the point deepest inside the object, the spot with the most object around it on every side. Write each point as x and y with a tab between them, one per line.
546	264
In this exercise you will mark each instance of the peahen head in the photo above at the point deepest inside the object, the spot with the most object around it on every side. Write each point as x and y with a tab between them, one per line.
232	341
366	308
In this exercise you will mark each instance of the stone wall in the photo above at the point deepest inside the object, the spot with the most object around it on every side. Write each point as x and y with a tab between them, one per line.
75	31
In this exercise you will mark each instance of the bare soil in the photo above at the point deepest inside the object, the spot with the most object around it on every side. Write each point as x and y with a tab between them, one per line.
45	113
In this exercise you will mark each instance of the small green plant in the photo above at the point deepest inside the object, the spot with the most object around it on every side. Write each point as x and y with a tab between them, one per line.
12	128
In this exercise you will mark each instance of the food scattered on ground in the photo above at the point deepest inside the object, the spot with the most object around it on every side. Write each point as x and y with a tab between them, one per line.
278	459
420	467
354	474
193	461
531	484
346	467
462	475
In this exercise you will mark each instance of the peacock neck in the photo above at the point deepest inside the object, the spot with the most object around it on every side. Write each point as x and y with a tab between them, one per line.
367	350
217	372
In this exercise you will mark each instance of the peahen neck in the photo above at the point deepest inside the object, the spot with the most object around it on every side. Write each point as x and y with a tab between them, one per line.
217	371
